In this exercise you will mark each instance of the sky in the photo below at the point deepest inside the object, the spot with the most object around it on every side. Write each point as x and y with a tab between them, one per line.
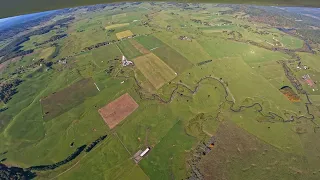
26	17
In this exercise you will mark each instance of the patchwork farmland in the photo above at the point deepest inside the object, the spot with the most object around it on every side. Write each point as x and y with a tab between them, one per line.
206	92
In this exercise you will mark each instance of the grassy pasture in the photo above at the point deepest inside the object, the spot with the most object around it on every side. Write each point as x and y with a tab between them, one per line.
171	57
250	158
272	71
139	47
154	69
219	48
102	57
167	158
60	102
37	39
116	16
116	26
193	51
128	50
124	34
311	60
288	140
150	42
290	42
108	168
45	53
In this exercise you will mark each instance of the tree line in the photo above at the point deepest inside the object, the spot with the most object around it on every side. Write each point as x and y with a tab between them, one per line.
7	90
15	173
70	157
94	143
58	164
52	39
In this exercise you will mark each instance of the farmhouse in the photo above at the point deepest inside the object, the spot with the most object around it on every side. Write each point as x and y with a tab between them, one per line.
308	80
125	62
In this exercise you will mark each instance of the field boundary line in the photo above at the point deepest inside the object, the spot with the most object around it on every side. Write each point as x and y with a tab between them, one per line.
122	143
78	161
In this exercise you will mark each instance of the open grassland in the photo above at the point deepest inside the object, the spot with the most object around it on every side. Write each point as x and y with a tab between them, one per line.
116	26
124	34
154	69
46	53
128	49
311	60
249	158
101	58
219	48
272	71
288	139
167	158
192	50
239	76
60	102
30	44
109	168
150	42
171	57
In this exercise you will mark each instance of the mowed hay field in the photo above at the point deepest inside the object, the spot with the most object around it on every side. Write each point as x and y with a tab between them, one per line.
62	101
116	26
128	49
154	69
124	34
139	47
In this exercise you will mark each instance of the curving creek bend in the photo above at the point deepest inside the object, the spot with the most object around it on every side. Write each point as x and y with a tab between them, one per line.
271	116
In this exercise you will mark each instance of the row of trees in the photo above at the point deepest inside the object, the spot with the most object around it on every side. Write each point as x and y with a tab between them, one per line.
58	164
7	90
52	39
15	173
94	143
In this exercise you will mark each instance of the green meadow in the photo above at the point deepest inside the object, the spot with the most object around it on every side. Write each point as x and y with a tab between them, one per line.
222	86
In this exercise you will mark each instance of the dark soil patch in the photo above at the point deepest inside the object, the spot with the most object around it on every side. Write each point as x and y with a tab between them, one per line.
290	94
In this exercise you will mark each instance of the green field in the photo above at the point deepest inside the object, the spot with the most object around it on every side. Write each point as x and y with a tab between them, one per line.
116	26
154	69
128	49
62	101
207	78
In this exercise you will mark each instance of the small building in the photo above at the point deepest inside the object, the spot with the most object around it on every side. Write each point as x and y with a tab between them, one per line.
137	157
145	152
125	62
